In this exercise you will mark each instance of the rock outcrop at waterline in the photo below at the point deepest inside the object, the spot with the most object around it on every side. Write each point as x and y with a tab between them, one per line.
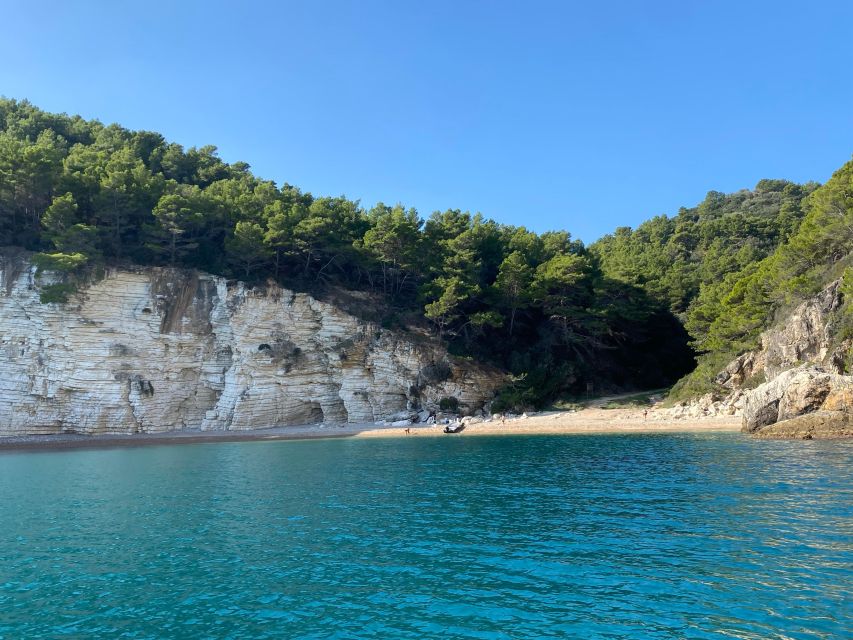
799	368
793	395
820	425
153	349
806	394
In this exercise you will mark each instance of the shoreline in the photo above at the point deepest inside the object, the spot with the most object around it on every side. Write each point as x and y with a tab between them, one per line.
587	421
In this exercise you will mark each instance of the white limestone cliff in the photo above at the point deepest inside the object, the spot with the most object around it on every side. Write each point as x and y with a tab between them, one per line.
153	349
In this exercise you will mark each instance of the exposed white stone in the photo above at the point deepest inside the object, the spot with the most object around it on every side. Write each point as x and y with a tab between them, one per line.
156	350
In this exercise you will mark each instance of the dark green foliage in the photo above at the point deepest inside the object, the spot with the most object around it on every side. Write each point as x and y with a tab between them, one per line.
556	315
436	372
844	316
728	265
57	292
69	266
672	259
727	316
449	404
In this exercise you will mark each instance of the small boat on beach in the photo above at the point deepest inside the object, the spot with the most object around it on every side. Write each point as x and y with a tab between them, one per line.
454	428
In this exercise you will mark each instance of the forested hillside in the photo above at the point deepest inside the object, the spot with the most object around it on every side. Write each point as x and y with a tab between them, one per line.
83	194
733	264
727	316
556	314
673	258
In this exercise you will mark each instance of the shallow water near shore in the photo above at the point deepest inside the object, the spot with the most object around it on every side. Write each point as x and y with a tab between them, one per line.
642	536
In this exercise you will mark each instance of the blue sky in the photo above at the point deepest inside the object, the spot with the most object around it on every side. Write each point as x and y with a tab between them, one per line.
576	115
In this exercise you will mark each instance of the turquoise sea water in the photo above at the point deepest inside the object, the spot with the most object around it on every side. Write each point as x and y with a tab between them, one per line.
629	536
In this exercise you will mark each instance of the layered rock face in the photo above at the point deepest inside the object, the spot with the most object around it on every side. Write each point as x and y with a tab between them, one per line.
805	336
800	369
154	350
805	394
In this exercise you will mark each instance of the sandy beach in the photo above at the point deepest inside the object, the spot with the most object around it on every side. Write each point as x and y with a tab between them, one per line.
586	421
594	420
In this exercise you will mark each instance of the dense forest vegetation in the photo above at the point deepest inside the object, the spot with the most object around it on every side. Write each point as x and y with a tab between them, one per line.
732	265
556	314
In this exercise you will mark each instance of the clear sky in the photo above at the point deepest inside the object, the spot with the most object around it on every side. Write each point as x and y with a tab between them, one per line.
577	115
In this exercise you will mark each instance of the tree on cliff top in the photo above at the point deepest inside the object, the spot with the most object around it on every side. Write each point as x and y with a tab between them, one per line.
540	305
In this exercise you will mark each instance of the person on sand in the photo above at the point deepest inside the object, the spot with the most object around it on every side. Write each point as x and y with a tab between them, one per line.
408	431
645	414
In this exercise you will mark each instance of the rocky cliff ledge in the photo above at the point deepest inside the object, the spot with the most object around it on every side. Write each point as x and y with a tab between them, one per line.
793	385
152	350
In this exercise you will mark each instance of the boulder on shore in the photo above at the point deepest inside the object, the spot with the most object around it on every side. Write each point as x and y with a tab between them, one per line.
761	405
793	393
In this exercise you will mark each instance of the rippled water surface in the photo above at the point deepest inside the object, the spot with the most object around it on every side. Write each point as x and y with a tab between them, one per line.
629	536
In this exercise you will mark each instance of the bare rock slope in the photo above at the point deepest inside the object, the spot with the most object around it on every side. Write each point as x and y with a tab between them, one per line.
803	337
803	392
154	349
797	371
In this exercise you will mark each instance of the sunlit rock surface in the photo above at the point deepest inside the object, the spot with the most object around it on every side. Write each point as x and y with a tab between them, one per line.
798	370
811	426
803	336
153	350
803	366
793	393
